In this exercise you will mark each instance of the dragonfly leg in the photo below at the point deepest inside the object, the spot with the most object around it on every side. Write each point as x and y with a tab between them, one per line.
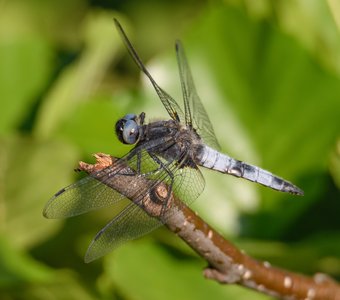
164	166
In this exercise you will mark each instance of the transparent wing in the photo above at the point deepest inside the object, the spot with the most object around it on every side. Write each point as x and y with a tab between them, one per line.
93	191
169	103
187	183
193	107
129	220
132	223
83	196
89	193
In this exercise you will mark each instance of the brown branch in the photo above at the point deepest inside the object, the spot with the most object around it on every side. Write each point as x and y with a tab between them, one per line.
227	264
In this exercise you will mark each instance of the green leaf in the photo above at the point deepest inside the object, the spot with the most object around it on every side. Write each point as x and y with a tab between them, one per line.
317	253
31	172
287	103
66	285
92	128
16	267
335	164
142	270
79	81
25	68
21	275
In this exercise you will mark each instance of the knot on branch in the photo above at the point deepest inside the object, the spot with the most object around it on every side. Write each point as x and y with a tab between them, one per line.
158	201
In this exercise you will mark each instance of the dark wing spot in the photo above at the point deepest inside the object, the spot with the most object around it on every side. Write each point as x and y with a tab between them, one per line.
60	192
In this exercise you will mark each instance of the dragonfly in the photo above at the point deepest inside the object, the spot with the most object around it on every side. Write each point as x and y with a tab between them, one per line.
165	151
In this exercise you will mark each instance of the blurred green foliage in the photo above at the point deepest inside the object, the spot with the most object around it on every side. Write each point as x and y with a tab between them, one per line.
269	75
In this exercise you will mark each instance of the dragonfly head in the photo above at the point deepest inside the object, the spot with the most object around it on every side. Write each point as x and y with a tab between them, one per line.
129	128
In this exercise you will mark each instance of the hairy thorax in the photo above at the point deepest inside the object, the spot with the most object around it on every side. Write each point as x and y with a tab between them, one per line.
172	140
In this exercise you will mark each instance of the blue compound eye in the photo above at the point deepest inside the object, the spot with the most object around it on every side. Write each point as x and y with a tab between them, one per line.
128	129
130	117
130	132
